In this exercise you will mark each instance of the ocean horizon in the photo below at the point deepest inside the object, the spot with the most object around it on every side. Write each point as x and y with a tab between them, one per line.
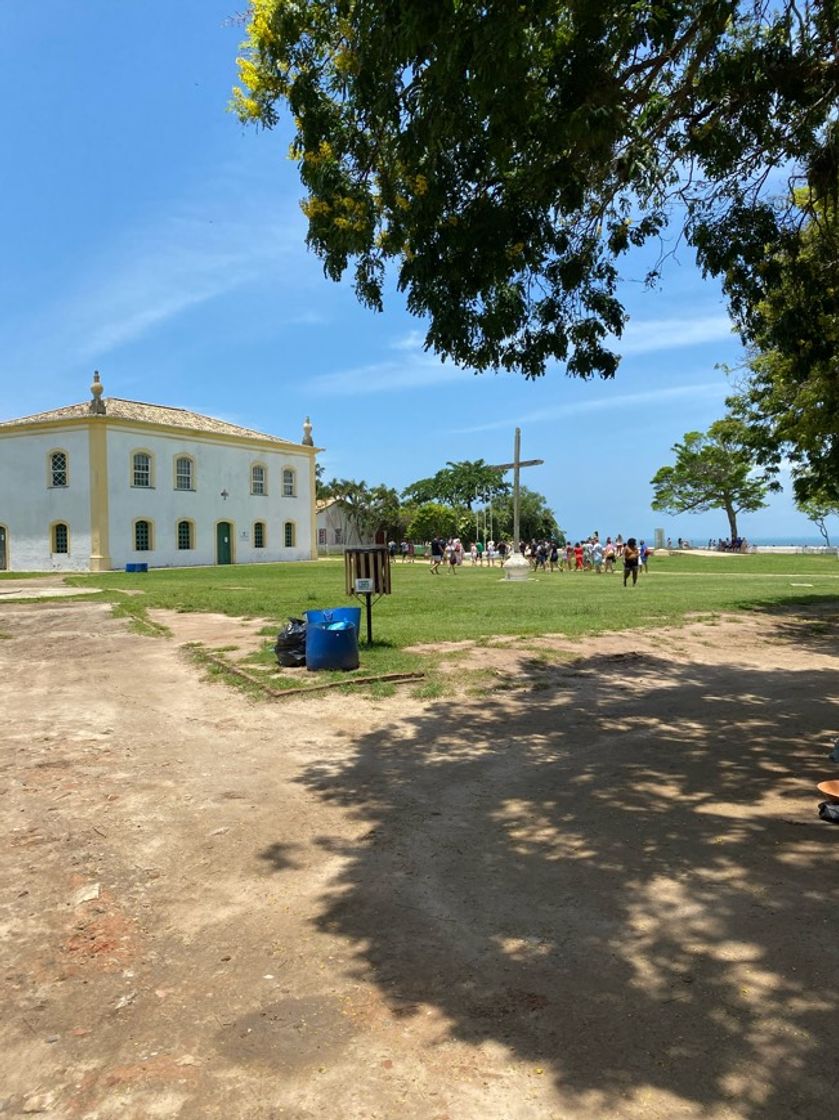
777	541
796	542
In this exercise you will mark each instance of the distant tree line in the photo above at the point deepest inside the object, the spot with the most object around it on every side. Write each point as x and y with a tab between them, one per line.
467	499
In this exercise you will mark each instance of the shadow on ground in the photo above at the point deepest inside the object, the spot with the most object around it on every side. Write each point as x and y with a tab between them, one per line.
622	878
808	622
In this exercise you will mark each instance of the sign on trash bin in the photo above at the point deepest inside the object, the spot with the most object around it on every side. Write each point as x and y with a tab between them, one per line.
365	586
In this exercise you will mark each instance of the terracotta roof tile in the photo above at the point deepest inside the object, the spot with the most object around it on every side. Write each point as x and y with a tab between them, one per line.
148	414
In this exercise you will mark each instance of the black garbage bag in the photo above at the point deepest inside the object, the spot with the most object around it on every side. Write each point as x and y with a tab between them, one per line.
291	644
828	811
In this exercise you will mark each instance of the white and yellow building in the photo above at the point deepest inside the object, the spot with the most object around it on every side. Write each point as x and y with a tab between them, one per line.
111	482
336	529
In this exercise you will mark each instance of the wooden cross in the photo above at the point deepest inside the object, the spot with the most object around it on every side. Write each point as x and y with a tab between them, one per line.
515	467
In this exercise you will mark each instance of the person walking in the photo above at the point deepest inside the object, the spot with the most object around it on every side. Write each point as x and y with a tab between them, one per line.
597	557
643	557
630	561
609	555
451	555
436	555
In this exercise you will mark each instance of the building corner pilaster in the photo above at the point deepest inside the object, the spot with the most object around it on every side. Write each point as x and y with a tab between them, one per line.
100	558
313	512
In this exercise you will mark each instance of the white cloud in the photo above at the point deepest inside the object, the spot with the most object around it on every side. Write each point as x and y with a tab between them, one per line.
158	270
413	340
700	391
425	368
645	336
418	371
158	274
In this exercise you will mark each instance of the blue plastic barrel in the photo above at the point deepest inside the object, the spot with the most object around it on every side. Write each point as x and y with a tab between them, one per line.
331	647
335	614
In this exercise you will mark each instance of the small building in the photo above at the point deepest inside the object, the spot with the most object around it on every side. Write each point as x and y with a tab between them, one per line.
110	482
336	529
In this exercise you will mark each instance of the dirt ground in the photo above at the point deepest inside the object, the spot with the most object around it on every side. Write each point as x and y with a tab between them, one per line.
602	890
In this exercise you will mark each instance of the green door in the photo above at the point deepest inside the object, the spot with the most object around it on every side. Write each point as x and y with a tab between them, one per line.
224	547
3	560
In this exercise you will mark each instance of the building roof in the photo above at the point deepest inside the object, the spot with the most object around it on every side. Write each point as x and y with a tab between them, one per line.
141	413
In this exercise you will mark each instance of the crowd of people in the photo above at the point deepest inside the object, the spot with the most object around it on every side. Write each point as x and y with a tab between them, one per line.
736	544
589	555
452	553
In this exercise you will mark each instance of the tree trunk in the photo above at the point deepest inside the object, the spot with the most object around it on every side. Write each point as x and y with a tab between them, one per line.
731	513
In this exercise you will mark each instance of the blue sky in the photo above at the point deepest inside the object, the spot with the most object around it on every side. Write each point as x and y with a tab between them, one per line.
149	235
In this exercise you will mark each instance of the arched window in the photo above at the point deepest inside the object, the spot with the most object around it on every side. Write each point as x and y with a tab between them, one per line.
259	534
289	483
141	469
258	479
143	541
58	468
288	534
184	473
60	537
186	535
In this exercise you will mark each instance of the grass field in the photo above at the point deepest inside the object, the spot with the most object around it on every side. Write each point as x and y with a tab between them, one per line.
478	603
474	604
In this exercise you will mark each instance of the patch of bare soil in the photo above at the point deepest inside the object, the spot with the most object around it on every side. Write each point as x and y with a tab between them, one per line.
605	892
212	630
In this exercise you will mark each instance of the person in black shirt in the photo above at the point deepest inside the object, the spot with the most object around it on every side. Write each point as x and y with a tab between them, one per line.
436	555
630	561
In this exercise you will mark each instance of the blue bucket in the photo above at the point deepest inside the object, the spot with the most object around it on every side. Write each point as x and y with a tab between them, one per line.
335	614
331	647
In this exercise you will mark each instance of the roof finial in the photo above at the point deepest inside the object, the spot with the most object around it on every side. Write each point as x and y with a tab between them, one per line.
97	405
307	433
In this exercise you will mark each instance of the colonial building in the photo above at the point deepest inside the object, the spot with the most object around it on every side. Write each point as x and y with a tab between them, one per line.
336	529
111	482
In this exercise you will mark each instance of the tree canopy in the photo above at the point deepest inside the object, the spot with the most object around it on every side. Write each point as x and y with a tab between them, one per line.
536	520
505	157
713	470
790	396
368	508
432	519
818	507
459	484
441	505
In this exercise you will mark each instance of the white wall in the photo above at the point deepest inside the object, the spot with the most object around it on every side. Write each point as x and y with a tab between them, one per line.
29	505
218	466
334	517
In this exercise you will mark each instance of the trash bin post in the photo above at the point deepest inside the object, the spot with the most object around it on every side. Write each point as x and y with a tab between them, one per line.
369	597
